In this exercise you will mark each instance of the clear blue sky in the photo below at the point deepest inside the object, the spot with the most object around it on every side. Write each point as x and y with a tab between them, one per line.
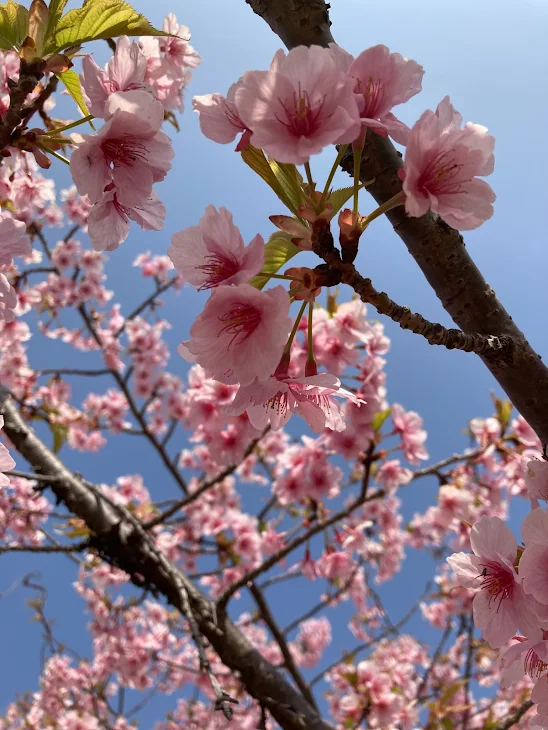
491	58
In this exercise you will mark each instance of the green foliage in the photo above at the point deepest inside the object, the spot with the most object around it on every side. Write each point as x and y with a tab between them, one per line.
14	23
71	80
257	161
98	19
277	252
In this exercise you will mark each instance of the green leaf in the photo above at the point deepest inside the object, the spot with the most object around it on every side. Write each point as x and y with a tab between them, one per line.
277	252
290	181
99	19
257	161
56	8
14	23
172	119
71	80
60	433
380	418
339	197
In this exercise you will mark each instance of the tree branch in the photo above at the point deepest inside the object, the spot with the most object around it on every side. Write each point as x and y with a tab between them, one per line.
438	249
117	538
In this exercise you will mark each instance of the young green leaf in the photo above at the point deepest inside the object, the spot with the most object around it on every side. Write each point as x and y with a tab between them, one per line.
277	252
14	23
290	181
96	20
71	80
56	8
258	163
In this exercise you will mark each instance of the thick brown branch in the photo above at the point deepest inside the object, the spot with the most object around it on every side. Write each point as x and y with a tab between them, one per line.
438	249
296	22
115	536
30	75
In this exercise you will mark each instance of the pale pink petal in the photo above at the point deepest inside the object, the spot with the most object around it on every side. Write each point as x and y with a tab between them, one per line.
108	224
534	528
490	537
466	568
533	570
95	85
497	623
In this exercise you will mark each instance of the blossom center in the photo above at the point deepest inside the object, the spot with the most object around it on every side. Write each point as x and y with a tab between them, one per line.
123	151
240	322
533	665
498	581
218	268
441	176
373	95
302	118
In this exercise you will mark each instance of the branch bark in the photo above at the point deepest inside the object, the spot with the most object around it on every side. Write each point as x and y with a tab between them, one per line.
116	538
438	249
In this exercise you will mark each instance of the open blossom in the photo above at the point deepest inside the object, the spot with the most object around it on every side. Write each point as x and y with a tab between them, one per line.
533	565
383	80
274	400
500	605
536	478
525	657
129	150
108	221
442	162
124	72
6	462
241	333
303	103
219	120
13	241
213	252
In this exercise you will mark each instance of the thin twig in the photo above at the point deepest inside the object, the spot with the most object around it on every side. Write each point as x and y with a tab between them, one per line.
280	640
76	548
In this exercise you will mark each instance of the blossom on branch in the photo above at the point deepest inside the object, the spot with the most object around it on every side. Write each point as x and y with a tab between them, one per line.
441	165
384	80
219	119
213	253
124	72
302	104
274	400
6	462
240	335
129	150
500	604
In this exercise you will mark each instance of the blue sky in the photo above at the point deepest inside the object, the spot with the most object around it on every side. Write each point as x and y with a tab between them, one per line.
491	58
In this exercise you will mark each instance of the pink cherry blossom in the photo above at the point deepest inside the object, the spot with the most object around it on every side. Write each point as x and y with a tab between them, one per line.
6	462
303	103
219	120
383	80
536	478
13	241
129	150
124	72
525	657
500	604
213	253
533	564
441	165
274	400
240	334
108	221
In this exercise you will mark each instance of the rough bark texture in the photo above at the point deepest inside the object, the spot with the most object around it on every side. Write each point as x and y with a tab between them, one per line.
296	22
116	539
438	249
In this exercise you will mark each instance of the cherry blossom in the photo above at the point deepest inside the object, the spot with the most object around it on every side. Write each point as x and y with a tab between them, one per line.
213	252
274	400
219	120
129	151
303	103
382	81
124	72
6	462
500	604
441	165
240	334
